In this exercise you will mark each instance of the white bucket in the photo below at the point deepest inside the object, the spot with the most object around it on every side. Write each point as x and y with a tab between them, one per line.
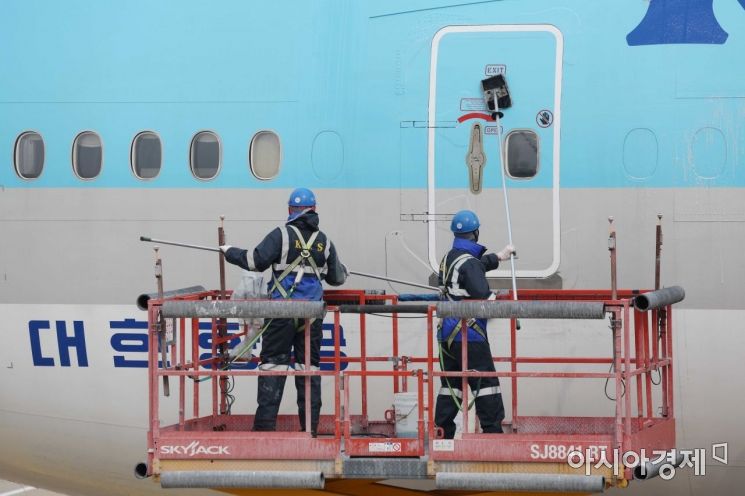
406	408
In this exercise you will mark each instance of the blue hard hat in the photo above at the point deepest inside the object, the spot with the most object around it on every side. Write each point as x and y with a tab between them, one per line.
464	221
302	197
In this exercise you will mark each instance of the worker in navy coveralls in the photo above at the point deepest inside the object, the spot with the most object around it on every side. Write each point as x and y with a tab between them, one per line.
463	276
301	256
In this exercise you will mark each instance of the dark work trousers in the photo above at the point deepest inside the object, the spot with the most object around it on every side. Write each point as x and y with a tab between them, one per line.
281	338
489	406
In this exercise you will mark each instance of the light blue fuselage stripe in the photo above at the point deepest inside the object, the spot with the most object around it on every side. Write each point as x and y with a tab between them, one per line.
649	116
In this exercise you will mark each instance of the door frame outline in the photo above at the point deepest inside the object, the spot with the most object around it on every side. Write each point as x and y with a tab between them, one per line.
431	123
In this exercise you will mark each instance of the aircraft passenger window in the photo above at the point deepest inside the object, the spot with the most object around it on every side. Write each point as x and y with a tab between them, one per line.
146	155
521	150
87	155
28	156
204	155
265	155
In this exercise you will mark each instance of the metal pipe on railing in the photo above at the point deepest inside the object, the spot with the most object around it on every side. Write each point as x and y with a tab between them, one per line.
508	309
242	479
659	298
288	309
652	469
483	309
145	297
141	470
555	483
421	308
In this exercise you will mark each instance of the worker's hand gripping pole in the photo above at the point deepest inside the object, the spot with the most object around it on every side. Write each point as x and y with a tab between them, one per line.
161	320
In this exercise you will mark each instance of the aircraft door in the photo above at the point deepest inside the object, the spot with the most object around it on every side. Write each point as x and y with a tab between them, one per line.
463	146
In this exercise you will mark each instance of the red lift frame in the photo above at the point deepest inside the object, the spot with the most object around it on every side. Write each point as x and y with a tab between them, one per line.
217	436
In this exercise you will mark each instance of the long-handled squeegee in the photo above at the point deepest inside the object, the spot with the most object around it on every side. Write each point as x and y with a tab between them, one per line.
497	97
361	274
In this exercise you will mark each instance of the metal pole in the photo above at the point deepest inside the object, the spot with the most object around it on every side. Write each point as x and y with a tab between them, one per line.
220	242
307	379
612	249
363	363
513	369
195	364
182	379
222	324
161	321
390	279
338	424
464	379
506	201
646	363
394	325
616	325
665	369
361	274
639	362
430	375
658	251
152	374
626	380
174	243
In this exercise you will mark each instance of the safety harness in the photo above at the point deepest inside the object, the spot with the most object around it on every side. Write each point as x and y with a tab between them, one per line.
449	292
303	259
456	290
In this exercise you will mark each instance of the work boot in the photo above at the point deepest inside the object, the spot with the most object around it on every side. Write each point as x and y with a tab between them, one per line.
313	432
313	424
492	429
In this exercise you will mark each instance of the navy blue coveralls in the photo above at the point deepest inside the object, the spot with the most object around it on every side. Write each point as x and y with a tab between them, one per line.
463	274
279	250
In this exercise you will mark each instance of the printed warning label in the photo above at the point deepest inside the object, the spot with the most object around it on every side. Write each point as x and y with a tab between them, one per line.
384	447
469	104
443	445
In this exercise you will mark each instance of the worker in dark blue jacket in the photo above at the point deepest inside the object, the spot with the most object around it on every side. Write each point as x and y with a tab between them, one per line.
301	256
463	276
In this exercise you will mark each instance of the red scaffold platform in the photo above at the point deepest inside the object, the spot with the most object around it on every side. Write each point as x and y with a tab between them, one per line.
356	448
